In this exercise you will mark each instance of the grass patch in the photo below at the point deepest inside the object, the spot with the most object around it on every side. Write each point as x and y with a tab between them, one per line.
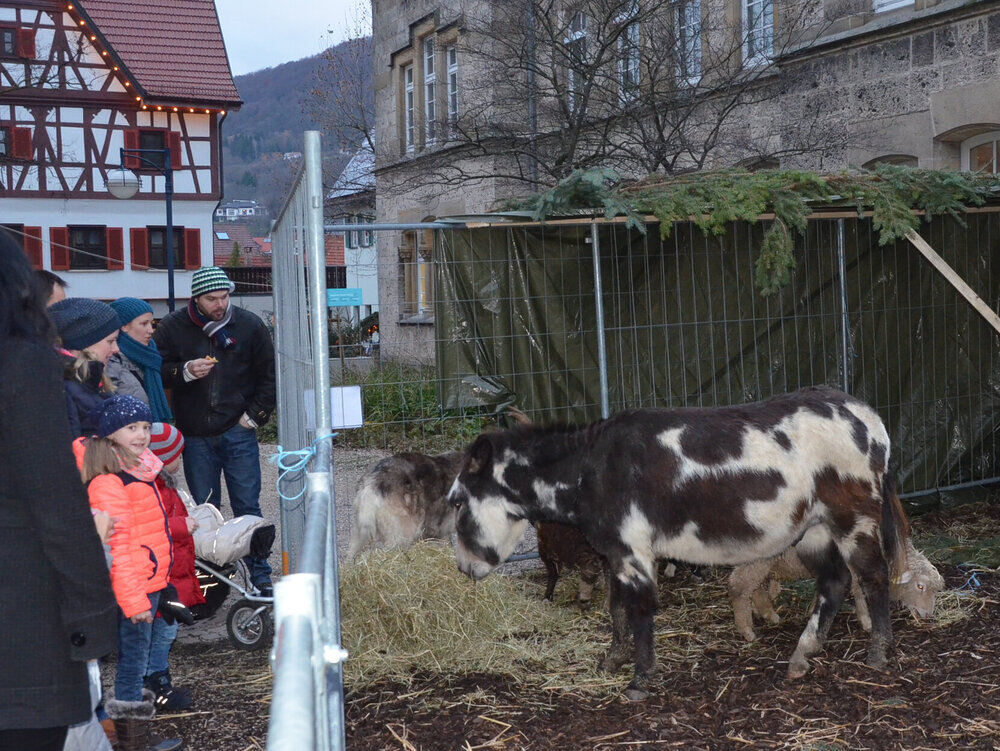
402	412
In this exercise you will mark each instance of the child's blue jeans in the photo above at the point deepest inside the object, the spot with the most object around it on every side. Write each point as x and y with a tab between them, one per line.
159	646
134	642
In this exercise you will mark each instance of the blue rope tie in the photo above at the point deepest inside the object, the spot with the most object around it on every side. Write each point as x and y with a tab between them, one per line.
292	462
972	582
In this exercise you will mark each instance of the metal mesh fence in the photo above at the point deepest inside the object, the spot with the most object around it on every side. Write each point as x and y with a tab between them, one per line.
685	326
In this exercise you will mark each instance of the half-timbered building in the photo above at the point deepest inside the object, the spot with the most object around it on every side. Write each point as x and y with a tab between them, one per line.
81	80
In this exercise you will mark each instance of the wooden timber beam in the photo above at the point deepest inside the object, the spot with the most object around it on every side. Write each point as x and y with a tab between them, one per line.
954	279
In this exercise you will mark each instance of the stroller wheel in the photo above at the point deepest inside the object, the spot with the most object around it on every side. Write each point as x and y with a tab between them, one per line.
249	625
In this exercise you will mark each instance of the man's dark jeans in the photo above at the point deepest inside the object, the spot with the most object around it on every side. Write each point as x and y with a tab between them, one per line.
235	454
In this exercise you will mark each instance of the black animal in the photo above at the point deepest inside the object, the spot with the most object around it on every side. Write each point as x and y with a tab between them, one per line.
724	486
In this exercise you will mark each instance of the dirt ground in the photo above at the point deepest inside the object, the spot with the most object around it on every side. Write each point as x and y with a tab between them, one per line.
940	690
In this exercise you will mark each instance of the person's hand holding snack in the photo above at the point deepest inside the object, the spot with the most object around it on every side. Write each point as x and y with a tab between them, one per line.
201	367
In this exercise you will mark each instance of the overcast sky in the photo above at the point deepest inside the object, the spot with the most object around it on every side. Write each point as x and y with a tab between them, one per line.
264	33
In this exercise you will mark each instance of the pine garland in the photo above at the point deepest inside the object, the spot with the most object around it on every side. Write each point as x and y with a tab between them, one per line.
713	199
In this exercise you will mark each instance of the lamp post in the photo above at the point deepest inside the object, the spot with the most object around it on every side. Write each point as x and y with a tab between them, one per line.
124	183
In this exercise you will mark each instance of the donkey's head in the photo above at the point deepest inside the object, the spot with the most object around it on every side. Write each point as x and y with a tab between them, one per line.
491	517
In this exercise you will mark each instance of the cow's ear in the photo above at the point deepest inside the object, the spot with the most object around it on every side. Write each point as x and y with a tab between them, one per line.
480	454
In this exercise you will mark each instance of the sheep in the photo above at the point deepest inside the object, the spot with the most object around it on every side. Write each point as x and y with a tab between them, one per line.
402	499
753	587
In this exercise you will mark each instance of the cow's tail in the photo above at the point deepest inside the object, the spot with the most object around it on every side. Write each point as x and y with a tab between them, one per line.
895	527
365	528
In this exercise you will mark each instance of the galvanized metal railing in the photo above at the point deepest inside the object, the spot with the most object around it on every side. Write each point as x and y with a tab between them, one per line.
307	708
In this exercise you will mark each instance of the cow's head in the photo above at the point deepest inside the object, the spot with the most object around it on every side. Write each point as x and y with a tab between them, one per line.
490	516
917	589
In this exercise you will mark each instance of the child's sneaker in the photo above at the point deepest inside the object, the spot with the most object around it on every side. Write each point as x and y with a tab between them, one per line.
168	697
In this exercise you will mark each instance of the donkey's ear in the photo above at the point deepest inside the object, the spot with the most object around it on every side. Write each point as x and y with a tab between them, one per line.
480	454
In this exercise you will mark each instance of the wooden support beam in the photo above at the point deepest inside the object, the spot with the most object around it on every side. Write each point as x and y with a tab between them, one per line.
954	279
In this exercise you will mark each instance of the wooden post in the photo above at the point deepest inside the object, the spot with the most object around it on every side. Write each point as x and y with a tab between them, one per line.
955	280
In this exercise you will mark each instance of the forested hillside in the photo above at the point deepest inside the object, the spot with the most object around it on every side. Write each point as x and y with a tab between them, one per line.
331	92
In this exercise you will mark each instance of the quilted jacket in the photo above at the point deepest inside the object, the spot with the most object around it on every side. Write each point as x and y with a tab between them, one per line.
141	547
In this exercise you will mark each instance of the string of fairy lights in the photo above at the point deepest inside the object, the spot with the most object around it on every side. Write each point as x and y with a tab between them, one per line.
79	17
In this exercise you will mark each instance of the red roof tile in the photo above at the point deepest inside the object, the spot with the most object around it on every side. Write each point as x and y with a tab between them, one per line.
174	50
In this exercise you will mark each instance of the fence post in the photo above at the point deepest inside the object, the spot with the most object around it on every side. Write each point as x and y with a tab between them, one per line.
602	350
845	322
321	479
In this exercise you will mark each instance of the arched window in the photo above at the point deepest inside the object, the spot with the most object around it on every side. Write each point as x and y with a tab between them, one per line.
903	160
982	153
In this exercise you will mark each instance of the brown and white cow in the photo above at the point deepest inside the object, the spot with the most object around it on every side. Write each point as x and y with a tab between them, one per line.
724	486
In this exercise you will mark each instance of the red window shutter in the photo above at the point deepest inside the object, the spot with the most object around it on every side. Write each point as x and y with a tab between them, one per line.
139	240
26	43
116	248
22	143
59	248
33	246
192	248
174	144
132	142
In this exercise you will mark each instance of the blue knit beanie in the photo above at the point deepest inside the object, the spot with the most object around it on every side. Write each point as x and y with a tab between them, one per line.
117	412
82	322
130	308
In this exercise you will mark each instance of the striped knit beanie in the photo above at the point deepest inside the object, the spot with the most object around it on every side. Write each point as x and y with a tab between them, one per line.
210	279
166	442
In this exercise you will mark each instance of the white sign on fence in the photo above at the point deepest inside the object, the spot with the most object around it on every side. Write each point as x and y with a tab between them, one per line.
345	403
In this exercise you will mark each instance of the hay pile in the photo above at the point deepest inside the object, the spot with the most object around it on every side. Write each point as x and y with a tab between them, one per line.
411	611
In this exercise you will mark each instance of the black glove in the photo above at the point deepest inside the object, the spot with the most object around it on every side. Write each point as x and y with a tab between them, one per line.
172	609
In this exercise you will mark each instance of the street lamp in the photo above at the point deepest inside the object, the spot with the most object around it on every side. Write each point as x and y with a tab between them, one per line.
124	183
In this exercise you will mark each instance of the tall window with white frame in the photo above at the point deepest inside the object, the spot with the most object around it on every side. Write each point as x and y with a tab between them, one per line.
628	54
451	57
409	133
576	54
688	23
758	31
430	94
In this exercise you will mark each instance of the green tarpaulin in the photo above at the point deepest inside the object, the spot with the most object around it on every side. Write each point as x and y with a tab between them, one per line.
684	325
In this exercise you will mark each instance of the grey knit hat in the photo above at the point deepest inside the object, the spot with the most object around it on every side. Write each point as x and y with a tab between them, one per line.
82	322
210	279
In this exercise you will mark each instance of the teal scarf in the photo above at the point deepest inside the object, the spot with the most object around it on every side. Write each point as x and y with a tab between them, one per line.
148	358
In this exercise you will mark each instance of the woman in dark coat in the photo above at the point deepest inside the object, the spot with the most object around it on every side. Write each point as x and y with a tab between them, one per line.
59	610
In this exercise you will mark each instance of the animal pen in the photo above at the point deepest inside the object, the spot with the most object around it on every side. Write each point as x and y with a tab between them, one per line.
574	319
581	317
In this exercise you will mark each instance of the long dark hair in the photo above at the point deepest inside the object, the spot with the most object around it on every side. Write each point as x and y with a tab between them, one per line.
22	302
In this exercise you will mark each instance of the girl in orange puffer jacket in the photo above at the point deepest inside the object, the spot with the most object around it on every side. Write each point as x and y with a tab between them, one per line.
120	472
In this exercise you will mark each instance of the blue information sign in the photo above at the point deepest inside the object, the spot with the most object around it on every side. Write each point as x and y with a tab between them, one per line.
344	297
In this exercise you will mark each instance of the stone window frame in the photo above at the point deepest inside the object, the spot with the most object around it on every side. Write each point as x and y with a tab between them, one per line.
416	276
575	36
685	74
883	6
451	72
990	136
629	58
428	53
758	59
412	95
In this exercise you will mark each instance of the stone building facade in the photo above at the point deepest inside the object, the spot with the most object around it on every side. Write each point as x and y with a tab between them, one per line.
915	83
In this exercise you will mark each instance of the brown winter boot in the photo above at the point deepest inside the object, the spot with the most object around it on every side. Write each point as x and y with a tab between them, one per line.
132	720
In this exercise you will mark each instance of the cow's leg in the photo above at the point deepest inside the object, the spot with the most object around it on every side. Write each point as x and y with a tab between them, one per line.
618	651
552	572
743	582
640	605
763	603
860	606
832	579
872	573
